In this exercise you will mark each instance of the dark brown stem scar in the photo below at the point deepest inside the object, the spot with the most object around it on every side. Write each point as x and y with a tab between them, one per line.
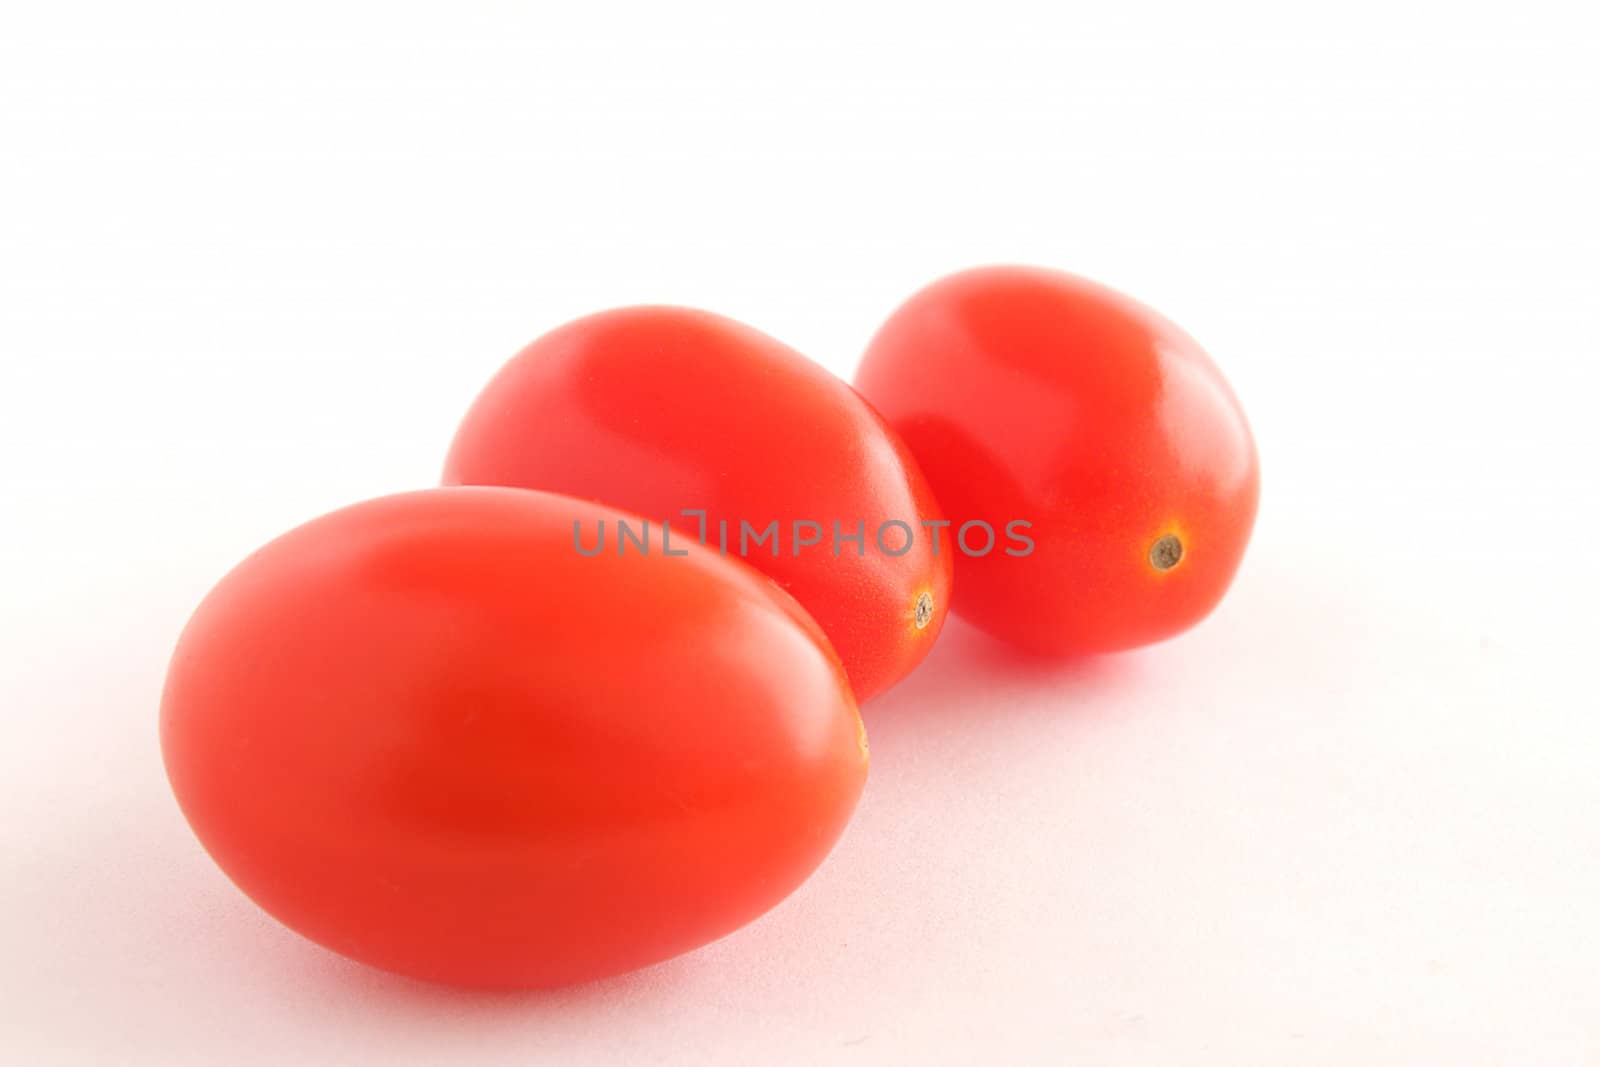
1166	552
924	610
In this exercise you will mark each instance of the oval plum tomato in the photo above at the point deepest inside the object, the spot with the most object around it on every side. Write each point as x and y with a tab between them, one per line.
429	734
723	432
1032	396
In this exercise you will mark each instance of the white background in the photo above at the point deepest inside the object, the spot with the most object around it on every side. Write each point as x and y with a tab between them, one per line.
256	259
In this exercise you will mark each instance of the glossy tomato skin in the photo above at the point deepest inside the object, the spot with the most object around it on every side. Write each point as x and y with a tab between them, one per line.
666	409
1029	394
427	733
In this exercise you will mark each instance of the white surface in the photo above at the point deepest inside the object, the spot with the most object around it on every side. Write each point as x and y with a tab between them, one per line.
255	261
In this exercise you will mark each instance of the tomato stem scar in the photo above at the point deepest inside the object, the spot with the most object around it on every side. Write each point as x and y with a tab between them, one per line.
924	610
1166	552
